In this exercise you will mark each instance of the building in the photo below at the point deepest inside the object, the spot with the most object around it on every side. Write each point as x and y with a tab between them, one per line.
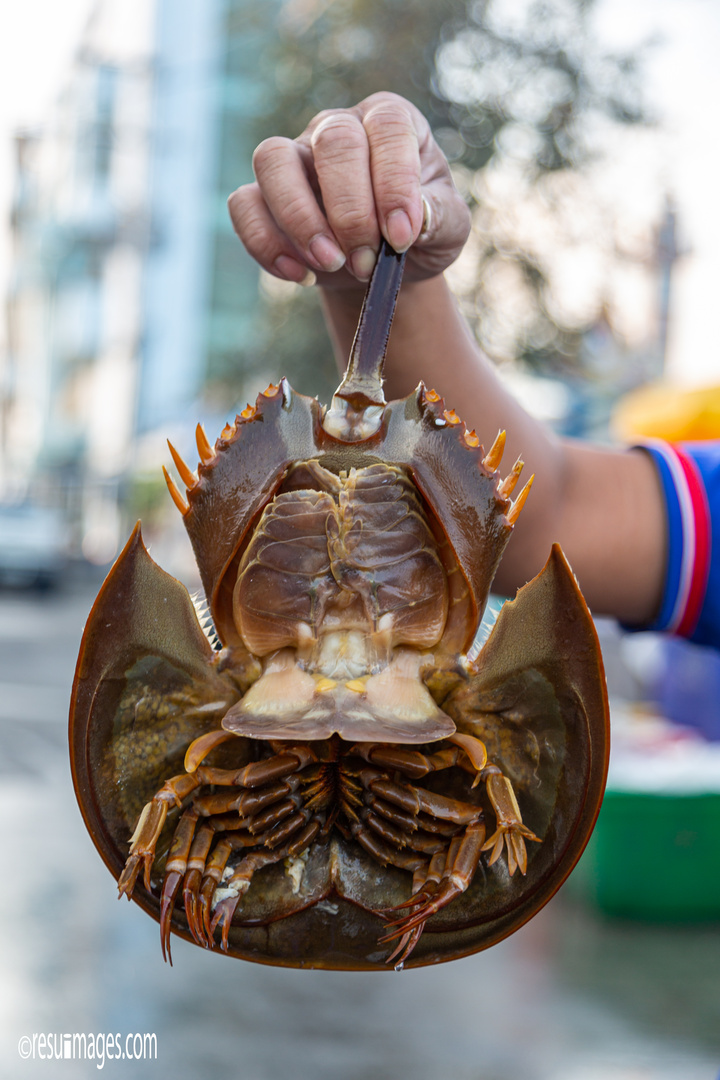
80	229
201	289
129	287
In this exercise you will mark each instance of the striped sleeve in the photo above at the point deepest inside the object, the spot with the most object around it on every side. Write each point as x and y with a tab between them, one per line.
690	478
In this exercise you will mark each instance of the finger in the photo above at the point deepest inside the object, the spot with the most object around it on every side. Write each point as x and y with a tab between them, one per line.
341	158
262	238
288	194
395	170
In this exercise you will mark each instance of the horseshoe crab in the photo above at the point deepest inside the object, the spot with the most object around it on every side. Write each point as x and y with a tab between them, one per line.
328	776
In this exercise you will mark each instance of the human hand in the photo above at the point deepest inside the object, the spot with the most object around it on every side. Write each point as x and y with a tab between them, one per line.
323	201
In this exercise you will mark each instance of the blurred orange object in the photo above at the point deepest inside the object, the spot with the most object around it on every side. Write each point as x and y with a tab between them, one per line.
664	411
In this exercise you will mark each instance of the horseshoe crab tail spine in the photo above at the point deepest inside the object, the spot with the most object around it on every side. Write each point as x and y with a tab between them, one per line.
362	384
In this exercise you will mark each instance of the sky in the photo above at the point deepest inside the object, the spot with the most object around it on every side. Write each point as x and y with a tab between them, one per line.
37	42
683	81
38	37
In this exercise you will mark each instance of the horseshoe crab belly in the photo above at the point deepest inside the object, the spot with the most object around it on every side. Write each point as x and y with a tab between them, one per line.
342	590
285	578
358	558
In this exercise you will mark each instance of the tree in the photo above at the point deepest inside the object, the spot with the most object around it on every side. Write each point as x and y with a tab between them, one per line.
516	101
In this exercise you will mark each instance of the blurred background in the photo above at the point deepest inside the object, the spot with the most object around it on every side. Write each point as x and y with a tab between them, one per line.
582	135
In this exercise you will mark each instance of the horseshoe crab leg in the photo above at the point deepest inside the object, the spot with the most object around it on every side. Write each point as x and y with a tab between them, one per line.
416	799
457	876
467	752
259	773
152	819
417	841
212	877
147	831
196	866
510	829
410	822
424	885
271	809
175	868
266	824
426	881
384	853
470	753
240	881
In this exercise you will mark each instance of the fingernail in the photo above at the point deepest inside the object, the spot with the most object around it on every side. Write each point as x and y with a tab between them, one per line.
327	254
363	262
399	230
290	269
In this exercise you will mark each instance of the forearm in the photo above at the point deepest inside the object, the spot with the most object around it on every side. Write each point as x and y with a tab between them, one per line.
603	507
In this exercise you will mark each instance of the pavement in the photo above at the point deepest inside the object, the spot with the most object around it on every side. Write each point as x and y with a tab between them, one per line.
571	996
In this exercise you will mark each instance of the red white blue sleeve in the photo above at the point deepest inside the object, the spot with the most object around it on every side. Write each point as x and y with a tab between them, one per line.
690	478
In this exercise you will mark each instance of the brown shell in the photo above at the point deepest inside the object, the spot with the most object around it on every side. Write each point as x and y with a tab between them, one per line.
460	491
148	682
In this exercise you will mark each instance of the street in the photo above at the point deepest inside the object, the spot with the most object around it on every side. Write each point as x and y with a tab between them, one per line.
569	997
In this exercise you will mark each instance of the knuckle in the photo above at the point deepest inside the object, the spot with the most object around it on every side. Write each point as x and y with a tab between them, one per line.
241	197
307	137
387	98
256	241
323	115
338	133
351	218
252	230
240	205
398	187
389	119
268	153
299	217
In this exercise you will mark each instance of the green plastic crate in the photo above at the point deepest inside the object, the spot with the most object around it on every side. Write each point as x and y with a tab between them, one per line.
654	856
